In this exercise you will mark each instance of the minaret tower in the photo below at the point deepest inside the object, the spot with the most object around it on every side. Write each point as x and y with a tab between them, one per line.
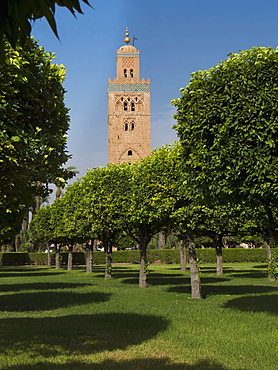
129	117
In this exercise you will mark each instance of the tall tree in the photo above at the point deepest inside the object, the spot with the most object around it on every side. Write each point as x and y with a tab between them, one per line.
33	127
228	126
105	196
150	200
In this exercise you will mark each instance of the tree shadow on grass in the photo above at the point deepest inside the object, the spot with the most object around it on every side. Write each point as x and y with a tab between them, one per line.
257	303
136	364
41	301
250	274
21	268
172	279
77	334
26	274
208	290
40	286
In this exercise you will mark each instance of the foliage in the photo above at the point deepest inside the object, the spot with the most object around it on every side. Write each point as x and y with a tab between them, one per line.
33	126
17	16
228	126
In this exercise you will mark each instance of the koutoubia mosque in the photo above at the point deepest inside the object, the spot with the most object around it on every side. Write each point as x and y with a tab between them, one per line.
129	114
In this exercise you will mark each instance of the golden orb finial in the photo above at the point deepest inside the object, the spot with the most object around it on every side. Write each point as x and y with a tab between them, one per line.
127	39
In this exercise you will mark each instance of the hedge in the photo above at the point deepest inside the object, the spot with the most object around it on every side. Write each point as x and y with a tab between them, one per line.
161	256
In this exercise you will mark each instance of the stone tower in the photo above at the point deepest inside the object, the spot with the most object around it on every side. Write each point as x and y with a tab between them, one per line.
129	117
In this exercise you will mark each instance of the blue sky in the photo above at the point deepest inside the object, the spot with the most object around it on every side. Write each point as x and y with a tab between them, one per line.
175	38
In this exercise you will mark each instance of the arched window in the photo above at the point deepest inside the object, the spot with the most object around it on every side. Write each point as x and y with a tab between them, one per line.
131	73
132	107
125	73
125	105
126	126
129	152
132	126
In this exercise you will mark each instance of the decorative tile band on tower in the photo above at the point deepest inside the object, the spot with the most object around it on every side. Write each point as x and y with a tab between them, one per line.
133	55
129	87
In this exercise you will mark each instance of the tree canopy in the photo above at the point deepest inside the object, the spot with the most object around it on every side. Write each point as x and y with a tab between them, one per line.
228	126
16	17
33	128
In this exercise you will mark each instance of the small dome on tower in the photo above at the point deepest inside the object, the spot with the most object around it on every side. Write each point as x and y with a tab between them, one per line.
128	49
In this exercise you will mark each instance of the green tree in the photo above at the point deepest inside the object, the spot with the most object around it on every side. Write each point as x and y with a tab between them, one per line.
228	127
33	130
17	16
150	200
105	196
41	228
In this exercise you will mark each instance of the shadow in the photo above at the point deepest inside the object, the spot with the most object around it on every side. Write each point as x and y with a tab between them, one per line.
264	266
40	286
21	268
28	274
172	279
42	301
76	335
252	275
136	364
257	303
208	290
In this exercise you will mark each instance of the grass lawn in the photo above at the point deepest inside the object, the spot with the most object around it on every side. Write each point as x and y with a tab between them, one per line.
55	319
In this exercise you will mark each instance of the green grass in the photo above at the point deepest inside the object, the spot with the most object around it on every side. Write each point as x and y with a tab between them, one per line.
55	319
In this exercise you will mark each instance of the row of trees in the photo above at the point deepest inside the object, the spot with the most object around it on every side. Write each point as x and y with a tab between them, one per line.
220	179
139	200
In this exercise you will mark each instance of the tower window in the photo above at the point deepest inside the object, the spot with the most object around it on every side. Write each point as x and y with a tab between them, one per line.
132	125
131	73
125	73
129	152
125	105
126	126
132	106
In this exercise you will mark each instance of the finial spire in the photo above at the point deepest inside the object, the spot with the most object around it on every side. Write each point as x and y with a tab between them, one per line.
127	39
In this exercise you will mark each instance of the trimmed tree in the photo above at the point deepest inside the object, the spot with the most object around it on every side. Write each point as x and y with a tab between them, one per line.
33	126
228	126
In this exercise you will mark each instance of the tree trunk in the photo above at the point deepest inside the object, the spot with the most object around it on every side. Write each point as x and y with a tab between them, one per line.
267	247
161	237
70	257
89	257
182	248
143	266
108	264
108	258
25	223
225	241
194	273
57	257
38	203
271	262
48	255
219	259
17	242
